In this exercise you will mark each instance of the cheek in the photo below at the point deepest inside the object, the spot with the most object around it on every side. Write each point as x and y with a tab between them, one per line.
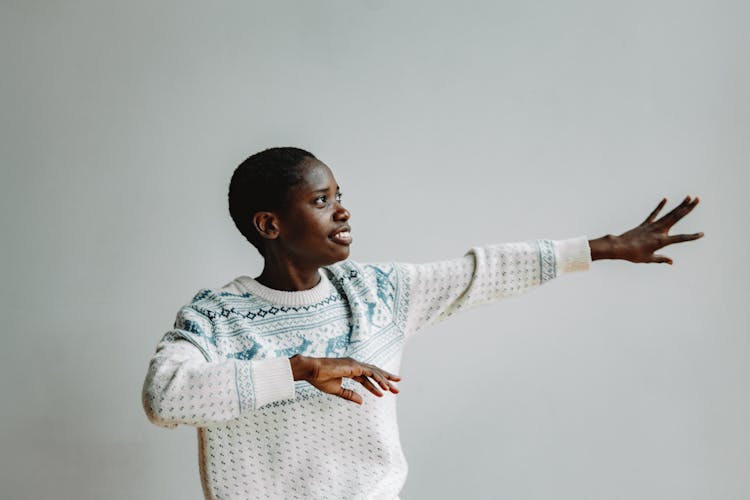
313	228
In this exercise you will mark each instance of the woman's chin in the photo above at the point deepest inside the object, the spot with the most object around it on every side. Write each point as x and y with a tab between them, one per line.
342	254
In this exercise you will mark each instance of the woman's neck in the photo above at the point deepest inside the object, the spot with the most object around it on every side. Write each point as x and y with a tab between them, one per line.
288	278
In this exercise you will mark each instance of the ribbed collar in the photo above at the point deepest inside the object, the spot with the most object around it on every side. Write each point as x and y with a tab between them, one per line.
284	298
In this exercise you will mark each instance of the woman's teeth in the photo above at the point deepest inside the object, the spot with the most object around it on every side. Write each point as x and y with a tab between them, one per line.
344	237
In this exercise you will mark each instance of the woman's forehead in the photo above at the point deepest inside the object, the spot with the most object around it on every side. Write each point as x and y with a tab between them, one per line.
317	176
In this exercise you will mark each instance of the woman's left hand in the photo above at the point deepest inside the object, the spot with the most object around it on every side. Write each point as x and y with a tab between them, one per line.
640	243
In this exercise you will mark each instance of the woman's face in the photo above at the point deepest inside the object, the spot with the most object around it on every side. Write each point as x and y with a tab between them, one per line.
313	226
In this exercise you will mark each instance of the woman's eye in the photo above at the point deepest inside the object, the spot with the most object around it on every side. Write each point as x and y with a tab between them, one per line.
323	199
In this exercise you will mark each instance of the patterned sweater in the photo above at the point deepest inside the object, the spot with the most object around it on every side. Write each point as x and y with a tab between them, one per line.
224	367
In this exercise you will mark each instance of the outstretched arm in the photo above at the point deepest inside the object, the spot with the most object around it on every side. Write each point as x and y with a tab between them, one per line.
436	290
640	243
495	271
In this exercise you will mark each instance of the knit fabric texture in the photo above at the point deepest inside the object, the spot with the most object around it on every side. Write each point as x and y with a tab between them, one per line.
224	367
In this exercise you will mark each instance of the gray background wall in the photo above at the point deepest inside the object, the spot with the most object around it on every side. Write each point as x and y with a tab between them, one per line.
448	125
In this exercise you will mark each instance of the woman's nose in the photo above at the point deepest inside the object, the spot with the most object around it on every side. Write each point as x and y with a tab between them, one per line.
342	213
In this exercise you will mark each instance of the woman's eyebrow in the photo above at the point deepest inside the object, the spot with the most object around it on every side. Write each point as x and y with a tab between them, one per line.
325	190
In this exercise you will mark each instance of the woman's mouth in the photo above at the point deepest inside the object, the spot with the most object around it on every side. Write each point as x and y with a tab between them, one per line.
342	237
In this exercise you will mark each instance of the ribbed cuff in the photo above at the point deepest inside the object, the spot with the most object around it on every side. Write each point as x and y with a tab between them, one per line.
573	255
273	380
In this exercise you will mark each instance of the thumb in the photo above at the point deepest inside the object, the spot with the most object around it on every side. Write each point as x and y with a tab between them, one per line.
661	259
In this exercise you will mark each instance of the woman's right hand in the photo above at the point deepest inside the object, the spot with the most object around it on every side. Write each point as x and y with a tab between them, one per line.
326	374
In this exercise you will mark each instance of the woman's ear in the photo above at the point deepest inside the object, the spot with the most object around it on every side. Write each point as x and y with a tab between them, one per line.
267	225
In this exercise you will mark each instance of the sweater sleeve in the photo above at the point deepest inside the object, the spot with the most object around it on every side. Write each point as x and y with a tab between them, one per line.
187	383
488	273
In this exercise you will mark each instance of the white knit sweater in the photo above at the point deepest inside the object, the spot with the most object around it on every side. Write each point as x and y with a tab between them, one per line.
225	369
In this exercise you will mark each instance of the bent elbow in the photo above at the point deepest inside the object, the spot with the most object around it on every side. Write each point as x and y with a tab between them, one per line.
153	406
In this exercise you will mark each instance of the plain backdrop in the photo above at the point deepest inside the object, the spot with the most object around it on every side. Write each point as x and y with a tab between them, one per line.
448	125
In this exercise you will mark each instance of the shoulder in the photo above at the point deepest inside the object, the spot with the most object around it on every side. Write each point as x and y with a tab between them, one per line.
211	301
206	306
350	270
201	309
371	276
234	287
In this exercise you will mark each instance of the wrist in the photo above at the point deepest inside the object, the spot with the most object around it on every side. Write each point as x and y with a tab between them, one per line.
301	367
604	247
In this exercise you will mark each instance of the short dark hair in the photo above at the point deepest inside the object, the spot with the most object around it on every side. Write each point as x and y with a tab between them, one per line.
261	183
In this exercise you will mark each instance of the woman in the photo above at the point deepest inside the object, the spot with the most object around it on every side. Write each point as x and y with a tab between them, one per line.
267	368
